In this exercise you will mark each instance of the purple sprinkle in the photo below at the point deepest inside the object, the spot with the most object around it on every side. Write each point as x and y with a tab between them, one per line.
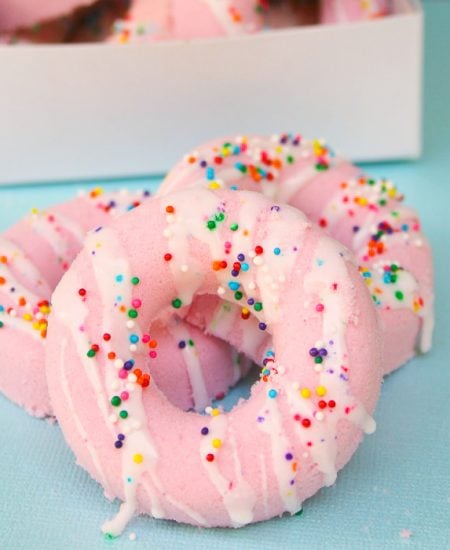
250	301
292	482
120	437
260	419
235	273
203	164
313	352
98	229
128	365
118	444
204	431
323	352
356	228
146	193
241	257
288	456
181	344
262	326
330	371
276	208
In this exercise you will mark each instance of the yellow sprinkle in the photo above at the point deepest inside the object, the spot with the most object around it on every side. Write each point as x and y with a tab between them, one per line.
245	310
214	185
278	149
215	412
321	391
36	325
27	316
217	443
305	393
362	201
138	458
44	309
392	192
34	210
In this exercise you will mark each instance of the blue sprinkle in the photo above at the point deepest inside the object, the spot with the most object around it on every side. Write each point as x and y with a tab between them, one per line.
134	338
119	278
277	251
320	262
272	394
245	266
234	187
210	173
233	285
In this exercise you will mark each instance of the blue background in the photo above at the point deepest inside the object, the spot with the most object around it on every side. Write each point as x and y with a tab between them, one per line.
399	479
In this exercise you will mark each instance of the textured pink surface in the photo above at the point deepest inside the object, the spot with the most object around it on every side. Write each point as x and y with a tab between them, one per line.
177	476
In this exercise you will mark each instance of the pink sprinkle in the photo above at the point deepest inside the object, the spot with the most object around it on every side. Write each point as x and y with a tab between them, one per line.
123	373
145	338
124	395
153	354
320	308
136	303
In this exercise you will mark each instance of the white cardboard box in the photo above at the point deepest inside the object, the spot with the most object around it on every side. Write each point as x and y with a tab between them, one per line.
87	111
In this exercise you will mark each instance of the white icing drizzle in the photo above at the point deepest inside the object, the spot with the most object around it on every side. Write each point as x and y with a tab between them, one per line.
41	226
74	416
280	444
180	331
19	323
220	10
238	499
20	291
23	264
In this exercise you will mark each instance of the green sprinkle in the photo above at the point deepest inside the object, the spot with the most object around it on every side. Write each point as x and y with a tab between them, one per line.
318	359
290	159
321	167
1	324
238	295
219	217
234	227
399	295
177	303
258	306
91	353
394	278
394	214
116	401
394	268
123	414
110	536
135	281
299	513
132	313
382	202
211	225
191	343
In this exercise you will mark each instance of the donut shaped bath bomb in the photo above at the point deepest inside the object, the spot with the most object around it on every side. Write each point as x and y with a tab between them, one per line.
342	11
26	13
187	19
366	215
34	254
305	416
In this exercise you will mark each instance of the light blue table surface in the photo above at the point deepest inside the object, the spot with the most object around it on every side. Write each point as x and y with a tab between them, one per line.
398	480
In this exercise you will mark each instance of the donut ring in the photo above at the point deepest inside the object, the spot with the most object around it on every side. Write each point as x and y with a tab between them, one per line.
34	254
303	420
366	215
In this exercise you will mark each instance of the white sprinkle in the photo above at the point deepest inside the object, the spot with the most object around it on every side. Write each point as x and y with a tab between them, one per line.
132	536
167	233
132	377
318	368
251	285
130	324
118	363
220	291
295	386
320	416
133	347
184	268
258	260
170	218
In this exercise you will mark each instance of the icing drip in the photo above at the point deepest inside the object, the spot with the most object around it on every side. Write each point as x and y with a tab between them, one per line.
192	361
238	498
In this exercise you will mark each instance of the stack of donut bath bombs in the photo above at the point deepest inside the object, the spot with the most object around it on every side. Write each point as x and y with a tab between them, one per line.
263	249
135	21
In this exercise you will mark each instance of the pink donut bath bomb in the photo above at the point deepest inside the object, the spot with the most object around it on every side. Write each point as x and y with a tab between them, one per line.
305	416
26	13
34	254
342	11
188	19
366	215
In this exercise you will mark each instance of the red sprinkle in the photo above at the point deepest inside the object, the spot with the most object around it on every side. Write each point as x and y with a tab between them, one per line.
82	292
168	257
210	457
